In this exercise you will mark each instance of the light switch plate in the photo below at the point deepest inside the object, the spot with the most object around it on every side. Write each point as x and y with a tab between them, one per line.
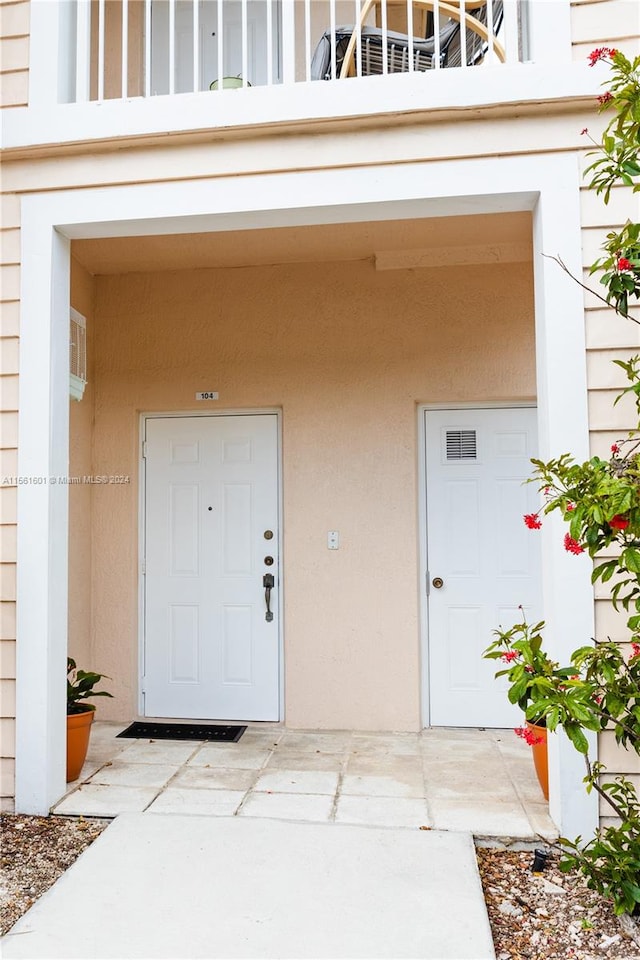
333	539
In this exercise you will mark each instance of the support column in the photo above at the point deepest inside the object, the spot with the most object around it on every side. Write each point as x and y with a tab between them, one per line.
563	428
42	520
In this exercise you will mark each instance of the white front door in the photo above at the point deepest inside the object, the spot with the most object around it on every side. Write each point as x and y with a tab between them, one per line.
211	651
483	563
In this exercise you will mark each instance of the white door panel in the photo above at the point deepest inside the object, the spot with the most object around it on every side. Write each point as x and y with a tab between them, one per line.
478	545
211	493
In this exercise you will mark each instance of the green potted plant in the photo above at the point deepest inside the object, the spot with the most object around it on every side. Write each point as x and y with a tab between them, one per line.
80	684
532	676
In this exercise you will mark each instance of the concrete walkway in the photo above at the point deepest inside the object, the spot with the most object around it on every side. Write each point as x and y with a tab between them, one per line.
476	781
166	885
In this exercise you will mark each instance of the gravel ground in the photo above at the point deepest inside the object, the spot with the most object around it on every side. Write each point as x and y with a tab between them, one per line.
35	852
548	916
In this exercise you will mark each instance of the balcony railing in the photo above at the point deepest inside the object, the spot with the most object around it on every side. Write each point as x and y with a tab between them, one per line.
123	49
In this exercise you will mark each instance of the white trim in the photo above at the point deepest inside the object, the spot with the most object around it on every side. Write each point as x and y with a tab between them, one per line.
545	183
421	95
142	468
423	538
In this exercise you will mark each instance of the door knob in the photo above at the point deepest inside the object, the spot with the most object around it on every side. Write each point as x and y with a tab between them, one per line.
437	582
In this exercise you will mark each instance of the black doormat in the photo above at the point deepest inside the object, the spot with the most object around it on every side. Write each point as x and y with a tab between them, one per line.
183	731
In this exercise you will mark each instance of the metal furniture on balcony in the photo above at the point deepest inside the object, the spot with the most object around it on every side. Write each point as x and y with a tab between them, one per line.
365	50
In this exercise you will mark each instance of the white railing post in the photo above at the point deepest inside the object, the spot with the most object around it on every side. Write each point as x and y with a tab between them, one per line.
83	50
147	48
196	46
511	30
288	42
101	48
124	92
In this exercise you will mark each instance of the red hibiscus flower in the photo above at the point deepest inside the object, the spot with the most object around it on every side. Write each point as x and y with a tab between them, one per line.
601	53
619	522
509	655
571	545
528	736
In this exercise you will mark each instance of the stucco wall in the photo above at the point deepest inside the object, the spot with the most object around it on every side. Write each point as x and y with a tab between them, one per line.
346	352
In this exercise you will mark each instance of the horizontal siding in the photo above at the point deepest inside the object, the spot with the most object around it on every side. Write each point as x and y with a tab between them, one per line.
14	18
7	784
610	623
609	337
14	54
597	213
628	46
8	539
14	92
14	89
604	22
7	581
596	20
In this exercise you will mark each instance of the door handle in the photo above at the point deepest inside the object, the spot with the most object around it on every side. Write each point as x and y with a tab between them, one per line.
438	582
268	582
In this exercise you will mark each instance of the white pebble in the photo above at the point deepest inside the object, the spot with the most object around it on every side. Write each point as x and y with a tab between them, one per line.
548	887
509	910
607	942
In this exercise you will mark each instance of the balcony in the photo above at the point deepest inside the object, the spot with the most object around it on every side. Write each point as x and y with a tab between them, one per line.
138	68
152	48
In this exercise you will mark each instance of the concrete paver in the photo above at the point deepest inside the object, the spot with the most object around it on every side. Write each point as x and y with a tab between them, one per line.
165	886
480	781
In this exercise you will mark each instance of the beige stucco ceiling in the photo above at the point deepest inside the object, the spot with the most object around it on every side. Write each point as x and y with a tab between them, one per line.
394	244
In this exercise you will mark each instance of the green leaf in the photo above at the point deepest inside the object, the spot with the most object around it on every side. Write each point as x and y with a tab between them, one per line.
577	737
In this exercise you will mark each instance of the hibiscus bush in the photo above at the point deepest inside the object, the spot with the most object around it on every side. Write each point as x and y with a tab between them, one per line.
599	689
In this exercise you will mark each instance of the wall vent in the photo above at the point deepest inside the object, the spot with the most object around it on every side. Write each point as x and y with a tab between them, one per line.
78	355
461	445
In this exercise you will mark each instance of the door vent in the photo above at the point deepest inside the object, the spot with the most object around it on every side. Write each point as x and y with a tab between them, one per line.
461	445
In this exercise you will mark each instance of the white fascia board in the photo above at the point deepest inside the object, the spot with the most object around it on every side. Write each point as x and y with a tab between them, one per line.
320	101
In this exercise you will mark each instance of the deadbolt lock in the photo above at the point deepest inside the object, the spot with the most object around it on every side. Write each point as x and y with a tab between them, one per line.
437	582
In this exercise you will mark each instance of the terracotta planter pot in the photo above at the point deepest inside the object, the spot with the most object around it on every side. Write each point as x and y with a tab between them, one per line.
540	757
78	731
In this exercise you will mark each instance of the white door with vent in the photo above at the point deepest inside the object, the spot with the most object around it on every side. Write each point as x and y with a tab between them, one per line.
483	563
211	645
